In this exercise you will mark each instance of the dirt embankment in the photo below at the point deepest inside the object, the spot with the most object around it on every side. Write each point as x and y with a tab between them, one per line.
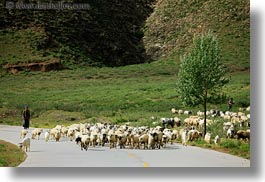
41	66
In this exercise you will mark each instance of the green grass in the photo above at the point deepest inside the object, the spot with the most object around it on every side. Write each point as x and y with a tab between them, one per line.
174	24
130	93
11	155
231	146
21	46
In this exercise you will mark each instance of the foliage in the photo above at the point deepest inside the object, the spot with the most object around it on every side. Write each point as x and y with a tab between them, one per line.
108	33
201	72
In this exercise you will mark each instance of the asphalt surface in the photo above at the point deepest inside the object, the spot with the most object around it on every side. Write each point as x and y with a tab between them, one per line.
67	154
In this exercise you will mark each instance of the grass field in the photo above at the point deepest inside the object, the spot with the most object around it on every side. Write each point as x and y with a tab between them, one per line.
124	94
119	95
11	155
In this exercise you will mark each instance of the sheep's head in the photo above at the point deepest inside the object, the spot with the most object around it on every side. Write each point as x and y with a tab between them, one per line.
20	145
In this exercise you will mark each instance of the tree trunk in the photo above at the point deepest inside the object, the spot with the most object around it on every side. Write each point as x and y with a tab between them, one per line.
205	108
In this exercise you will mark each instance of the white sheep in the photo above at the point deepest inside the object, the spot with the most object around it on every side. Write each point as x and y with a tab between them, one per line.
173	110
71	134
57	135
184	137
84	142
144	140
207	138
217	140
151	141
248	108
47	135
194	135
36	133
93	138
25	144
230	132
23	133
187	112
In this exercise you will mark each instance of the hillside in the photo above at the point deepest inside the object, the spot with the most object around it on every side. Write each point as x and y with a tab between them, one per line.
171	27
108	33
117	33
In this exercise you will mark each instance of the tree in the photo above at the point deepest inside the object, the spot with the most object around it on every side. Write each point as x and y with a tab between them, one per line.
201	72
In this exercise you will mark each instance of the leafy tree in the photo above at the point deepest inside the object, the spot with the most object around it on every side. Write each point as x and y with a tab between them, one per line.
201	72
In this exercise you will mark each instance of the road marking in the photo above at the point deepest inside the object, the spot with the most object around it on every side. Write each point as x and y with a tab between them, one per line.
132	155
135	157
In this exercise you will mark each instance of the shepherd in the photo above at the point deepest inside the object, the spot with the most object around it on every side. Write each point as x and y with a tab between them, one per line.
26	117
230	104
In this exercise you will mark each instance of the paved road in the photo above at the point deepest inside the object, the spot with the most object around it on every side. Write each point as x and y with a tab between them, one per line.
68	154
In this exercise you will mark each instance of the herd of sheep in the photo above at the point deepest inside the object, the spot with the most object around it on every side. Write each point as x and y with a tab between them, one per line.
166	131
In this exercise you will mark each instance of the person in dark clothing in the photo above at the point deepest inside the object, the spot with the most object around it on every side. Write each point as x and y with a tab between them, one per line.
26	117
230	104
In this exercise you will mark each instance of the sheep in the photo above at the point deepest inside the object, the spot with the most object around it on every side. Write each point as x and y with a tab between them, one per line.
36	133
47	135
84	142
243	134
187	112
144	140
158	137
135	143
57	136
64	131
177	121
168	121
23	133
243	120
33	134
122	139
113	138
165	139
194	135
173	136
71	134
151	141
248	108
102	139
78	140
25	144
217	140
184	136
248	116
174	111
180	111
93	139
52	133
227	125
207	138
200	113
230	132
192	121
201	123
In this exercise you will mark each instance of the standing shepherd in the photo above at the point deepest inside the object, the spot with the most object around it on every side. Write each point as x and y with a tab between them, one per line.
230	104
26	117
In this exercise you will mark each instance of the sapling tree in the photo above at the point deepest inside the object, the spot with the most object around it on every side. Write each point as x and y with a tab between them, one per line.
201	72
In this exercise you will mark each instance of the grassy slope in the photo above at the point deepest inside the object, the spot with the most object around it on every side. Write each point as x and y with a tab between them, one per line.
19	46
173	25
131	93
134	92
11	155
